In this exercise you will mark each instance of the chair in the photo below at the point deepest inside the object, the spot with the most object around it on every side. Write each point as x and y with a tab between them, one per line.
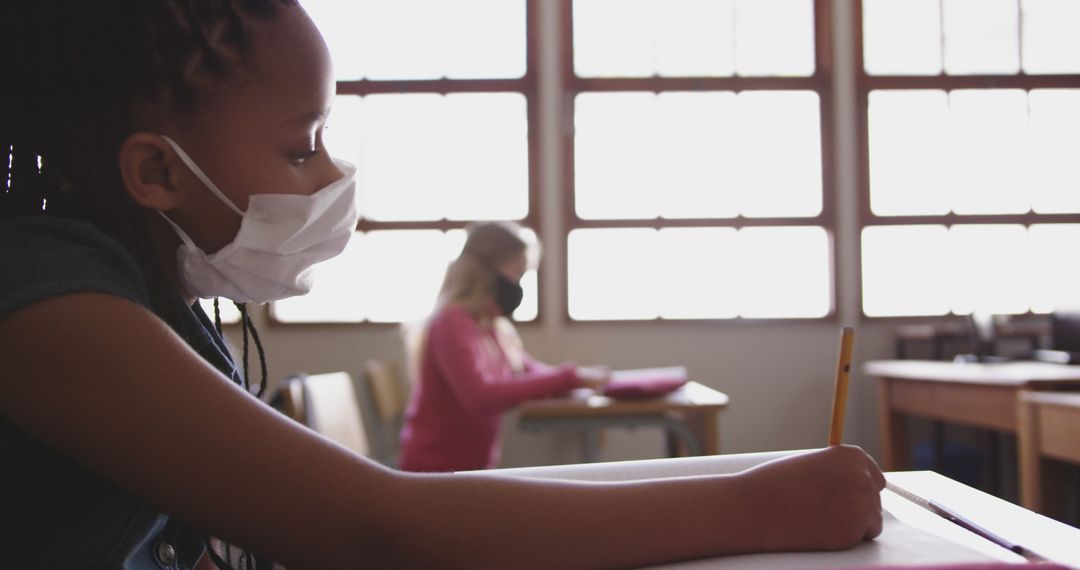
1049	433
327	404
389	396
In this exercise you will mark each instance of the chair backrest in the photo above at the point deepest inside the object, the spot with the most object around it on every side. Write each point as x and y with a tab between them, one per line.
1065	330
1049	428
388	393
327	404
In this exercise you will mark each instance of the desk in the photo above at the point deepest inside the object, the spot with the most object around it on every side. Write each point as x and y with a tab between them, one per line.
952	544
689	415
975	394
1049	429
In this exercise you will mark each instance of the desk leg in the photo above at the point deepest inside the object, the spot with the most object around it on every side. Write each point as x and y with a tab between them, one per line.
1029	456
1042	482
591	445
704	427
939	446
709	436
893	427
994	482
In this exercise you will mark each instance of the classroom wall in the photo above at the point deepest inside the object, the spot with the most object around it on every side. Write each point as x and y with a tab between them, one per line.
779	375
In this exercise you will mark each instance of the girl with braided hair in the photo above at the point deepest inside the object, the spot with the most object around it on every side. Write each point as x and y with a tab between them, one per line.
153	152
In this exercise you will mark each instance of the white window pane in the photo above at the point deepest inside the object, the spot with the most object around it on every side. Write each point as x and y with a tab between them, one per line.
611	274
393	291
1055	150
907	140
785	272
614	155
989	134
696	273
426	157
695	155
528	310
229	313
639	38
642	38
774	37
695	38
404	139
338	23
779	161
345	130
483	38
904	269
336	296
981	36
423	39
902	37
1055	274
387	276
487	162
608	46
1050	36
714	154
989	269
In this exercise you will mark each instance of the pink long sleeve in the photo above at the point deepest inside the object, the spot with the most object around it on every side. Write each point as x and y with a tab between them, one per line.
465	383
477	377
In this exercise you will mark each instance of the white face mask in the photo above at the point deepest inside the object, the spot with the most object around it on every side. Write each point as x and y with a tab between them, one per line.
281	236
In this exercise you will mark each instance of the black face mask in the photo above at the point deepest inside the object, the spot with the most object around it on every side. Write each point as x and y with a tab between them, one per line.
507	294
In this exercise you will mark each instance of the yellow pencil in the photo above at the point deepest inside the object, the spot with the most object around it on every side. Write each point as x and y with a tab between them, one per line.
843	370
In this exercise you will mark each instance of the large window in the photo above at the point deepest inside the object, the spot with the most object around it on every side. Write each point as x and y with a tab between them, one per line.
970	160
696	178
434	105
971	140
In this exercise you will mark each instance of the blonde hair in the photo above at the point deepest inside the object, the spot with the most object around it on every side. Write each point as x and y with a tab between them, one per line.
470	279
470	283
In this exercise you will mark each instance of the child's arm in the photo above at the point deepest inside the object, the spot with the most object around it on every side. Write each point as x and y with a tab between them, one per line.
107	383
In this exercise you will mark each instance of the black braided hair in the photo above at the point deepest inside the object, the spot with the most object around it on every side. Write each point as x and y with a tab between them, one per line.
74	74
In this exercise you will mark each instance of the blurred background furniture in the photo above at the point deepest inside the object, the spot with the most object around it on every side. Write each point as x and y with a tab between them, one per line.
1049	433
690	417
387	390
327	404
981	395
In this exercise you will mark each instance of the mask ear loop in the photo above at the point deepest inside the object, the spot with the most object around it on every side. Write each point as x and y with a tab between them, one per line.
201	175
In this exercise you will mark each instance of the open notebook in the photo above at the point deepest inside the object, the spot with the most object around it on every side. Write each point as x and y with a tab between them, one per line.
902	542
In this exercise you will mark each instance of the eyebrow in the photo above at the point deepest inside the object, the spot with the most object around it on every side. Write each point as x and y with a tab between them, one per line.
308	118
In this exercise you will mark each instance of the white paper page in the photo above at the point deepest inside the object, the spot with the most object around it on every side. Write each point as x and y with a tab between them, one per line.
899	543
645	469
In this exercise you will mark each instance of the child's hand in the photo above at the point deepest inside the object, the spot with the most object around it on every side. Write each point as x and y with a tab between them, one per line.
822	500
594	377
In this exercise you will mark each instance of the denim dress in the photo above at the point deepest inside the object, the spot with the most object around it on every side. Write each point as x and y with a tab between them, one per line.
54	513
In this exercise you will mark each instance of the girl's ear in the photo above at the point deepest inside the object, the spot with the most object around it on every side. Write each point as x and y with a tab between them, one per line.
148	168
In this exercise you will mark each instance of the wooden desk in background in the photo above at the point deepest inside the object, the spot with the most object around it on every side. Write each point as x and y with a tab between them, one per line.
980	395
1049	434
689	415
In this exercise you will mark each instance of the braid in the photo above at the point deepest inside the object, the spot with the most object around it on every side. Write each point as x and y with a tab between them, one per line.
74	74
217	318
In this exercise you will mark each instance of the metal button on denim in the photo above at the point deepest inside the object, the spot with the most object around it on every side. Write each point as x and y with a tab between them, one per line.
166	554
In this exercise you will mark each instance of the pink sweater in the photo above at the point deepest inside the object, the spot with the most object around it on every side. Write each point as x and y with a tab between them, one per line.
465	384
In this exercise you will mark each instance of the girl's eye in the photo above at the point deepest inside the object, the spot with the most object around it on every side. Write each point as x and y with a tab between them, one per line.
302	156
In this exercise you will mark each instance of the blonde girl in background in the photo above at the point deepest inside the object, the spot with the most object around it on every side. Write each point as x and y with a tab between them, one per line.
469	363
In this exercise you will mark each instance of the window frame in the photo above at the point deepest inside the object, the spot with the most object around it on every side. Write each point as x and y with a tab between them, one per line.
527	85
820	82
865	83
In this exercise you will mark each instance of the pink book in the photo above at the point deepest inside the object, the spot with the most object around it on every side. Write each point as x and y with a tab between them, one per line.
645	382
